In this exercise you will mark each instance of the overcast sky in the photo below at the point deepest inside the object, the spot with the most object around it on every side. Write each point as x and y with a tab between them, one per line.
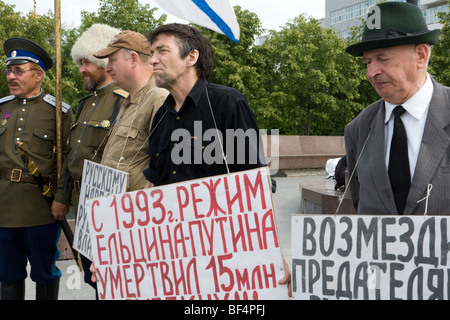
272	14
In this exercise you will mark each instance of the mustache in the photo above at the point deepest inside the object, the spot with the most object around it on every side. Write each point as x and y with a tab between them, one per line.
378	78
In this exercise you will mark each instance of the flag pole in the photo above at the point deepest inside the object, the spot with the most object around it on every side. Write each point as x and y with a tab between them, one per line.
58	86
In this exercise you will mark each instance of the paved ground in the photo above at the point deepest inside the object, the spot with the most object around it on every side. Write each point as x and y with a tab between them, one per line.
287	201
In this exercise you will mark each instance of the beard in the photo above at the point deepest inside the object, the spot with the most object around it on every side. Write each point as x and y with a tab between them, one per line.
94	80
164	81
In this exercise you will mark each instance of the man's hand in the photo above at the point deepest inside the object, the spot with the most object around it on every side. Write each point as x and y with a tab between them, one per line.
59	210
93	270
287	278
148	184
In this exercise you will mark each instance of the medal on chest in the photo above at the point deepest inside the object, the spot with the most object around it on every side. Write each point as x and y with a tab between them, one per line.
5	118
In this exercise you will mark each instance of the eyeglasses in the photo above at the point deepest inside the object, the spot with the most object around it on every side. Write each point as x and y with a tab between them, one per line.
17	72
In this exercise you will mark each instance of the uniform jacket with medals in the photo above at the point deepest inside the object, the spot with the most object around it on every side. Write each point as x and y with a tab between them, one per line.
88	136
33	122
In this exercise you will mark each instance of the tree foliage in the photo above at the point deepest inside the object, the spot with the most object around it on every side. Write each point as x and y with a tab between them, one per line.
440	57
299	80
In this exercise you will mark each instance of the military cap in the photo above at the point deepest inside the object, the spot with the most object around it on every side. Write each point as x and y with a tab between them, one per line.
21	51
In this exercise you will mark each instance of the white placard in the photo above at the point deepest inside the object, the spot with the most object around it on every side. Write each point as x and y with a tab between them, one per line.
212	238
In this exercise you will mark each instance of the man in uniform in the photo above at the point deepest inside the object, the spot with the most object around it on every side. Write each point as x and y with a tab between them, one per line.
28	232
95	116
129	64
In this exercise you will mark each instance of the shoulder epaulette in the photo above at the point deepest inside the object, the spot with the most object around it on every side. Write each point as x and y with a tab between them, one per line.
6	99
124	94
51	100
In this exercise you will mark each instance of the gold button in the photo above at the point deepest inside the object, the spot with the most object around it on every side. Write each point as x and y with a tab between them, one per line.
174	172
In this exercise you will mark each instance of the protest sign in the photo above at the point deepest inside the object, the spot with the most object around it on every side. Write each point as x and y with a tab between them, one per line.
212	238
97	181
370	257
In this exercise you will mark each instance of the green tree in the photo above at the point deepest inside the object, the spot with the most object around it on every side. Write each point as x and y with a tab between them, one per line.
124	15
235	63
440	55
311	83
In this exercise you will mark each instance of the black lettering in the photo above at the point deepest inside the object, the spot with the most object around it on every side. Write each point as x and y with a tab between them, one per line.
343	281
436	287
415	277
331	234
346	235
298	263
393	282
326	277
406	238
428	228
445	245
308	237
385	239
367	233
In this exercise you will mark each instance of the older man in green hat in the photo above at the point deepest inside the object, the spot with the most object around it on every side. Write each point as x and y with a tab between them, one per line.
398	148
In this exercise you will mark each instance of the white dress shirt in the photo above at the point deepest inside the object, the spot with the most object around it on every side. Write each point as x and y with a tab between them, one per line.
414	121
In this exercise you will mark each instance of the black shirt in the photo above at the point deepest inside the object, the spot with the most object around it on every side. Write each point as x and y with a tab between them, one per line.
184	145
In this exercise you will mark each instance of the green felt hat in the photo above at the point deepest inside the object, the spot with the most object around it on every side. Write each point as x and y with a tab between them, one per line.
392	24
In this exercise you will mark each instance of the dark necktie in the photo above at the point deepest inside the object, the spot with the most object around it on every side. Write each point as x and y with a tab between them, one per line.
399	173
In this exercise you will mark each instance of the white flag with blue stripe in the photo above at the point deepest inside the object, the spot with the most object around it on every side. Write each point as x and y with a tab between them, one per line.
217	15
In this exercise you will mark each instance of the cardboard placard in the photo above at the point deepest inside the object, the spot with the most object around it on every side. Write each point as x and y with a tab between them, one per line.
97	181
370	257
212	238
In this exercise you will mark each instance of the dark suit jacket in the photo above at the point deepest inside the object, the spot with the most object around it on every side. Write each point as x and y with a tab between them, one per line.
370	186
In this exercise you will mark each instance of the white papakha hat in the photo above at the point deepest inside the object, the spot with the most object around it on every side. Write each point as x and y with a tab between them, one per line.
97	37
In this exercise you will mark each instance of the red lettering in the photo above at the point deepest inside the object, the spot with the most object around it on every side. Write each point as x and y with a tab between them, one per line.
195	201
116	214
102	279
152	267
237	197
127	281
167	241
209	235
182	204
239	236
255	230
181	279
166	282
179	240
221	221
96	203
116	282
214	206
153	246
125	252
271	275
100	249
142	258
268	226
138	277
254	190
127	207
200	234
143	208
158	204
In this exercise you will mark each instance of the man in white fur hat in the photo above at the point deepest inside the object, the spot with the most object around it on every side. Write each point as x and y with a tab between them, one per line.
95	116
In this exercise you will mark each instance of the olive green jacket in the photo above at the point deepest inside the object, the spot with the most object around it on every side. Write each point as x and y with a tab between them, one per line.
33	122
88	136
